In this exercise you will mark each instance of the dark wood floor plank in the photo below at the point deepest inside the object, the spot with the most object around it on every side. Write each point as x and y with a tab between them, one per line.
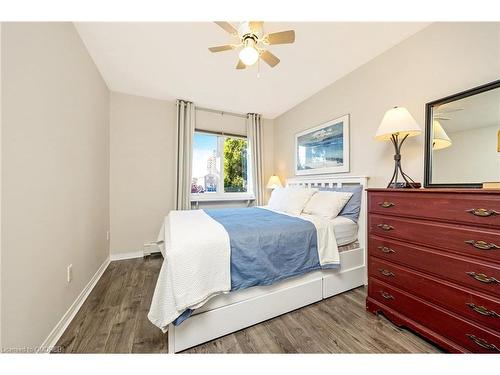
258	340
343	339
297	335
279	336
353	319
114	320
247	340
99	323
120	339
227	344
147	337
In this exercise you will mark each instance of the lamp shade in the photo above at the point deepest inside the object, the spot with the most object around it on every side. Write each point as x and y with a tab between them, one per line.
440	139
274	182
397	121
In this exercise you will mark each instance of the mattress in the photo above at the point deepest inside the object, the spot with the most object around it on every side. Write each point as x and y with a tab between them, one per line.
346	233
346	230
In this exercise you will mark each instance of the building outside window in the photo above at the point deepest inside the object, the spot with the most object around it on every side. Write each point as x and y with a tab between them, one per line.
220	167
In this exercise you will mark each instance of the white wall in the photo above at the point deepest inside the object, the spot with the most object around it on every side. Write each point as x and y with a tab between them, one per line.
142	166
442	59
55	149
472	157
142	169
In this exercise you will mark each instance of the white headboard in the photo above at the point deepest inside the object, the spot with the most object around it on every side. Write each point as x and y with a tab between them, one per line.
339	181
327	181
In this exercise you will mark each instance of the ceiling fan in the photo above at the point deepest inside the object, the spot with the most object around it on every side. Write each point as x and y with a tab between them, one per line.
251	37
441	115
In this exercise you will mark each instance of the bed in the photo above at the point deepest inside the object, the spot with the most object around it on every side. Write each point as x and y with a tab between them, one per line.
227	309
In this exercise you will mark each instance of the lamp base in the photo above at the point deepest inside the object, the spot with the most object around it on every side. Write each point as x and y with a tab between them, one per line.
405	185
398	170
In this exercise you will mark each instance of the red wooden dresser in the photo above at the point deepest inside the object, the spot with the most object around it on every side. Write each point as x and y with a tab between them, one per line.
434	264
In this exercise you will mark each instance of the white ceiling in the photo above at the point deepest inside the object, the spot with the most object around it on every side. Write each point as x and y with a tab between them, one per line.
170	60
477	111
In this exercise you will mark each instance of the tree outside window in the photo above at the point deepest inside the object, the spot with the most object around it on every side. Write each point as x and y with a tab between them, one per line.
235	165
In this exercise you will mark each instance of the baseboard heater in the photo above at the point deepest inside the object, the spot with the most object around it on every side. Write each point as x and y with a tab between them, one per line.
151	248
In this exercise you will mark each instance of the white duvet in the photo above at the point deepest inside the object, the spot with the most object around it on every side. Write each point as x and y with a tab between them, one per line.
197	257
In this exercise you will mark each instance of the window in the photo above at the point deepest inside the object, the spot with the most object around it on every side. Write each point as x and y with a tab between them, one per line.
220	167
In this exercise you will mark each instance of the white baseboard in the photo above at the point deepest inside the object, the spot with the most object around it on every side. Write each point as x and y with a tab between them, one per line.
60	327
129	255
123	256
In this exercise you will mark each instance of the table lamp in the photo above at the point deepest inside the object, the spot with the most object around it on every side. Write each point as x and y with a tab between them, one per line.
274	182
397	125
440	139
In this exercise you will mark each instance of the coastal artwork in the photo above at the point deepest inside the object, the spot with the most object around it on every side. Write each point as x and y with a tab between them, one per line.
323	149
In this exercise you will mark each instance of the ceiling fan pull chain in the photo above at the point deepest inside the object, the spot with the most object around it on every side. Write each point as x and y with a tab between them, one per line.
222	123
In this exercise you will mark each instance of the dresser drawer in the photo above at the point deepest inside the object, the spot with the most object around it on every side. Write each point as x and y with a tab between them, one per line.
470	241
470	336
477	209
465	302
443	265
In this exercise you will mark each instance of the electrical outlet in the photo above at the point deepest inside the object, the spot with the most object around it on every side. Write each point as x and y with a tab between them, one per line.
107	235
69	273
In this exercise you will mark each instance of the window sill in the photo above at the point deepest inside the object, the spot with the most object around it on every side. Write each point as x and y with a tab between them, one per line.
225	198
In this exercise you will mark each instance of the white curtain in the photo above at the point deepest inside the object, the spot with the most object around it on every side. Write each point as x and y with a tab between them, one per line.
185	132
254	137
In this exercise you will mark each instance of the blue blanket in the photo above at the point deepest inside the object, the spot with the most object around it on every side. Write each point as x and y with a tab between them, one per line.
266	247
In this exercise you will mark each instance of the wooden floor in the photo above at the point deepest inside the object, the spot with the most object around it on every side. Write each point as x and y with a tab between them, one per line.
114	320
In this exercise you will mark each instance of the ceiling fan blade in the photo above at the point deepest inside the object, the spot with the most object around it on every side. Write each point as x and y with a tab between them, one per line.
282	37
255	26
225	47
451	110
227	26
269	58
240	65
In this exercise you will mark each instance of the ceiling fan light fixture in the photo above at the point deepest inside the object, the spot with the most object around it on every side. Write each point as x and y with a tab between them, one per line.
249	54
254	43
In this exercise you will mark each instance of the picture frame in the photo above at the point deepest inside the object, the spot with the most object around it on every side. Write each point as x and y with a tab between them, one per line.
323	149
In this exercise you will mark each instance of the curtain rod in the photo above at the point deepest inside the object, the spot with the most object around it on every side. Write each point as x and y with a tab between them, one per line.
220	112
234	135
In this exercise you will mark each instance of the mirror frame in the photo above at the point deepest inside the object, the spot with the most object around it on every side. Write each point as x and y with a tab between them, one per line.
428	134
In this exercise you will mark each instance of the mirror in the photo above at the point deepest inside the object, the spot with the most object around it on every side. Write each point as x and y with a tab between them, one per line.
463	138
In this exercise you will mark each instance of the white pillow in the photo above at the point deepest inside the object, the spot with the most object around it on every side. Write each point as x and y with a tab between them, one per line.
276	201
290	200
327	204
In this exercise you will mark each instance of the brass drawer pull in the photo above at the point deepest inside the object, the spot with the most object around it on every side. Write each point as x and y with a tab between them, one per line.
482	245
482	212
386	249
483	310
483	343
385	272
483	278
386	204
385	227
386	295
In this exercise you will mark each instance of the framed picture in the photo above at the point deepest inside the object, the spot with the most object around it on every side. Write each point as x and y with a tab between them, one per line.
324	148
